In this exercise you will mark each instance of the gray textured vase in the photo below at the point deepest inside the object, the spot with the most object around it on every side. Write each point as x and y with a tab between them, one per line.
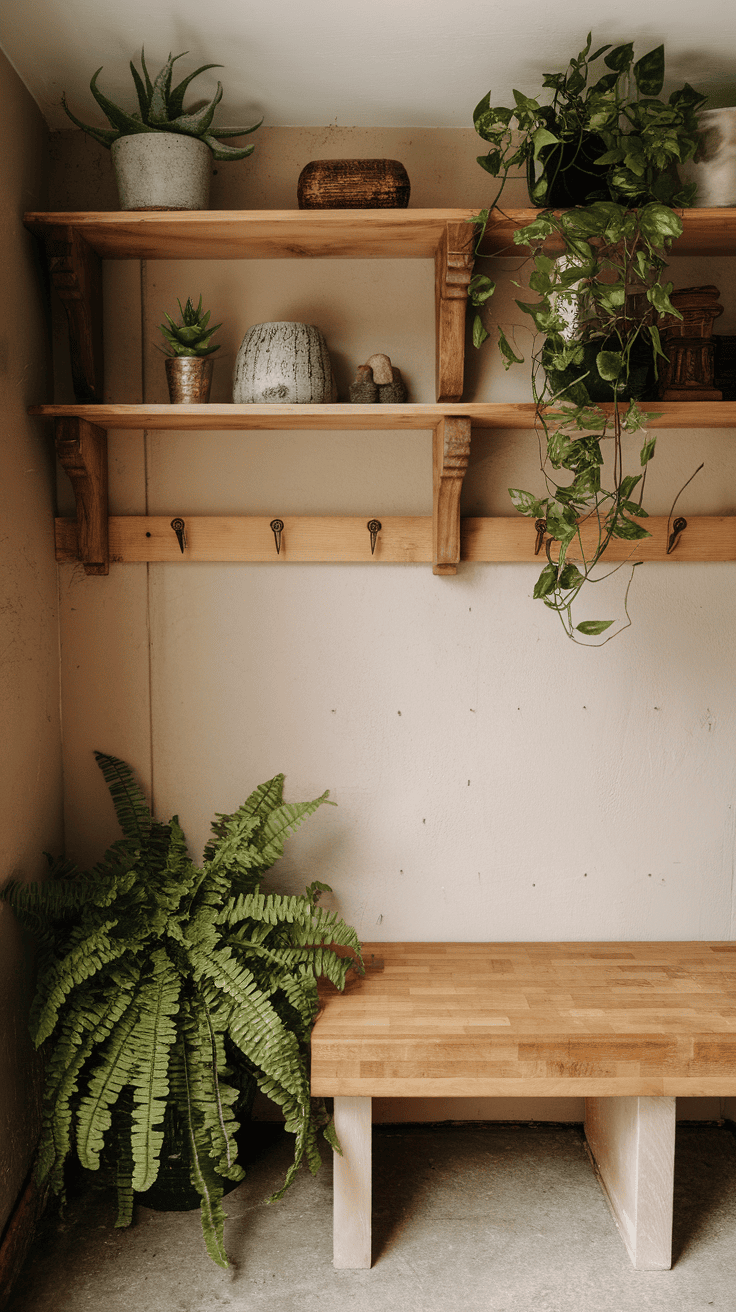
283	363
714	166
162	171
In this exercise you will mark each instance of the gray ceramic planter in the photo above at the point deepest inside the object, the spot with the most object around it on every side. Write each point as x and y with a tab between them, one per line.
162	171
714	166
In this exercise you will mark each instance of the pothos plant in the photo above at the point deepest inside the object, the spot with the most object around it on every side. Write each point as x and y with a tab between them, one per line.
614	131
601	301
162	984
599	306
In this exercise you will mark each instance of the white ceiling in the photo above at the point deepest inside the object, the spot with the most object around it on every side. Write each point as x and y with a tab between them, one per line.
393	63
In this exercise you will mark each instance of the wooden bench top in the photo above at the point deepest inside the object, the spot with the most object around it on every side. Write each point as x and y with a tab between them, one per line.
531	1019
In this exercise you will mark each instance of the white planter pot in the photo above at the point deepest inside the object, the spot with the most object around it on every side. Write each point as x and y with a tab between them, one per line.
714	166
283	363
162	171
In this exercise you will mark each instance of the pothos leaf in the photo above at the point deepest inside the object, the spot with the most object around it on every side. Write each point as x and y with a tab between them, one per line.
591	627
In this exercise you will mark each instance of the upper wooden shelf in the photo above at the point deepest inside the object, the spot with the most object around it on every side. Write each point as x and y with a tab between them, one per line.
705	232
502	415
257	234
331	234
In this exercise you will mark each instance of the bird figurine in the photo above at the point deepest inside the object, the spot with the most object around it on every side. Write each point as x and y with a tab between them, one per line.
363	390
378	381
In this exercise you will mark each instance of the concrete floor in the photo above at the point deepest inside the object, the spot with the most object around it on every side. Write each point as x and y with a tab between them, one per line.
482	1218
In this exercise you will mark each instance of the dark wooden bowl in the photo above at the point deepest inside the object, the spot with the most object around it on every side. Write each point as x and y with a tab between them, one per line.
353	184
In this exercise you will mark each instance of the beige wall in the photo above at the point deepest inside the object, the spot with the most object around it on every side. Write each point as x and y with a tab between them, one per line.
493	781
30	797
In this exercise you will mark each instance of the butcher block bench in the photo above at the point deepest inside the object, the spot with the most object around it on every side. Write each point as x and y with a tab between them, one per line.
628	1026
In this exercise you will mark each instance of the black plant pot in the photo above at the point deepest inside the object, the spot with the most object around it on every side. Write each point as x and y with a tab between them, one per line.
584	384
172	1190
567	175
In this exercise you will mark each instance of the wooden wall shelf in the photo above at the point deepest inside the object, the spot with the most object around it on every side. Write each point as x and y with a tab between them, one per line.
76	243
346	417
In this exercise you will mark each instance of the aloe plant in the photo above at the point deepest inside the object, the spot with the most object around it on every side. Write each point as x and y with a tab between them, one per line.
193	335
160	980
161	109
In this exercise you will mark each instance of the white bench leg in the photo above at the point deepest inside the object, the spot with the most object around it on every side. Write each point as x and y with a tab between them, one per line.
633	1145
352	1184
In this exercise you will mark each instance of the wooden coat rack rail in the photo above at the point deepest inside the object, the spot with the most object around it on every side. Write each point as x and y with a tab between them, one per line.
94	539
400	540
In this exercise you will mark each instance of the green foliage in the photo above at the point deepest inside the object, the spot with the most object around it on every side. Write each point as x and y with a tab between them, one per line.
599	305
640	138
164	987
161	109
193	335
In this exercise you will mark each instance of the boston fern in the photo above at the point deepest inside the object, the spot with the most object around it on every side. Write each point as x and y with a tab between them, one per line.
162	983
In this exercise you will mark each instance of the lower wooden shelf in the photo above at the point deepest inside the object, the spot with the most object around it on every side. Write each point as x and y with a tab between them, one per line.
400	540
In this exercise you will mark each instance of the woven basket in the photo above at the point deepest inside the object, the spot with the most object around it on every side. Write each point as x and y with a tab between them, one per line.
353	184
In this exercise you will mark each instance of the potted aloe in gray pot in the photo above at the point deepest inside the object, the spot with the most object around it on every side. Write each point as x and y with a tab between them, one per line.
163	156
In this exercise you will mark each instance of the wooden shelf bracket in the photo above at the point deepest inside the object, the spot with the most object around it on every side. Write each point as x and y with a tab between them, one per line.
450	455
82	450
76	274
453	271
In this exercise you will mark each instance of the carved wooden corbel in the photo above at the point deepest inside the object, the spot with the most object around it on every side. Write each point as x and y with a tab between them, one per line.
76	273
82	450
453	271
451	452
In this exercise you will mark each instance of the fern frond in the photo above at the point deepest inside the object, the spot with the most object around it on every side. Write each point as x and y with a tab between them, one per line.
131	807
152	1039
86	959
284	821
256	1028
263	800
123	1161
204	1178
106	1082
81	1032
212	1095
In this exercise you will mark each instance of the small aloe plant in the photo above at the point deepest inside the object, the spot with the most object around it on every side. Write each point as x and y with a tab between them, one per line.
161	109
192	336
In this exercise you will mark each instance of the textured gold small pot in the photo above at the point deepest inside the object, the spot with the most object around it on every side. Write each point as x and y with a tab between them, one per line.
189	378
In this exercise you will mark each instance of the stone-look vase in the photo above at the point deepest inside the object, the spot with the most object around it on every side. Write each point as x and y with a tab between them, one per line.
162	171
283	363
189	378
714	165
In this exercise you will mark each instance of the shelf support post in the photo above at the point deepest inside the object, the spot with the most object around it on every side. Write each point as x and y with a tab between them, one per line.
450	455
453	270
76	274
82	450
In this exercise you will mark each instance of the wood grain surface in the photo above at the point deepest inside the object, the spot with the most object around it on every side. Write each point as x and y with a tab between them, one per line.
337	234
346	417
532	1019
402	540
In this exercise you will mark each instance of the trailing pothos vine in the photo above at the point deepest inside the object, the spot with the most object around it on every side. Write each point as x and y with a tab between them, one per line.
608	146
599	278
164	987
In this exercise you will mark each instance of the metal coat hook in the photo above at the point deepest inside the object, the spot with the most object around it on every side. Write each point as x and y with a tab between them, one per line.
277	527
180	529
374	528
678	528
541	527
